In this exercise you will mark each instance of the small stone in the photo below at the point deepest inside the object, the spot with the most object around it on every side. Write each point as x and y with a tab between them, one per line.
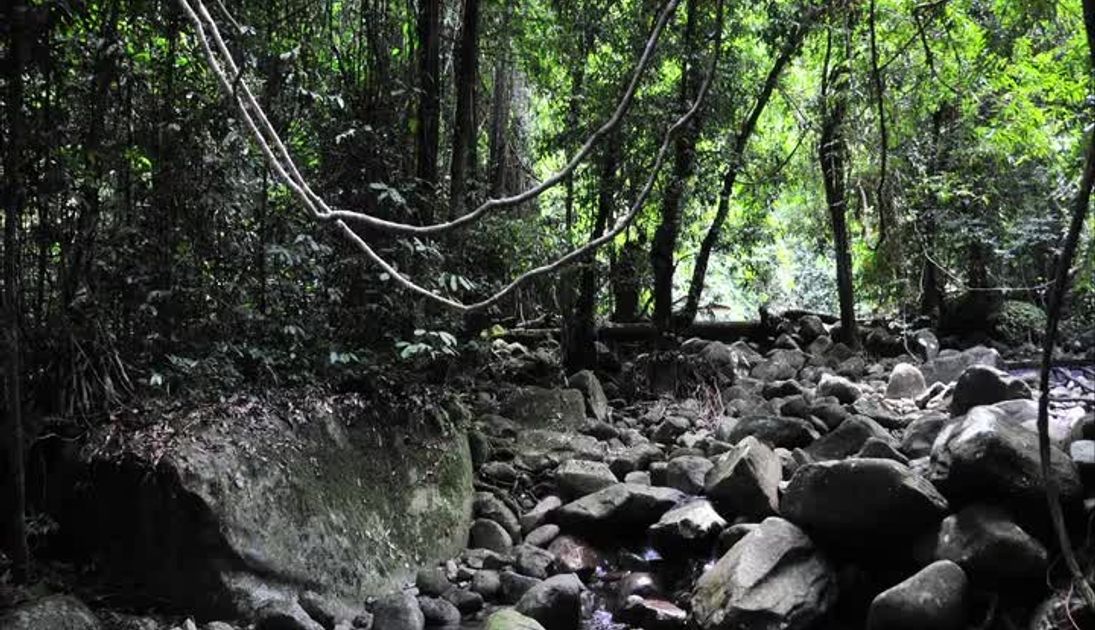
542	535
573	555
838	387
877	448
514	585
488	506
398	611
439	612
651	614
533	561
467	602
278	614
556	602
488	534
487	583
535	517
692	526
432	582
510	619
906	381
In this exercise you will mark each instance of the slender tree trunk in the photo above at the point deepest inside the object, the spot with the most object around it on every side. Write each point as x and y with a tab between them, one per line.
13	472
501	100
684	160
627	280
429	99
734	166
463	133
78	266
581	352
577	86
931	296
832	154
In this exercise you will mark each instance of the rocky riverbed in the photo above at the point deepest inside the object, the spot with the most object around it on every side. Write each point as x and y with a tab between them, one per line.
805	487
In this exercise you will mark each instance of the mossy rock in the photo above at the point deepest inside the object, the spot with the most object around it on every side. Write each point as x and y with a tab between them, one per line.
258	498
1018	322
510	619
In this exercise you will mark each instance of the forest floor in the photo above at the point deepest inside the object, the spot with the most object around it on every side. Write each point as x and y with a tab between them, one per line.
793	485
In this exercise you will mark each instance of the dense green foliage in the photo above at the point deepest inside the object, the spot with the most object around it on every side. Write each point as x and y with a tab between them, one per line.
156	246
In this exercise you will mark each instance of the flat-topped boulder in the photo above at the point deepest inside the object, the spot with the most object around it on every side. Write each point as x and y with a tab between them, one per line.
858	503
618	506
540	407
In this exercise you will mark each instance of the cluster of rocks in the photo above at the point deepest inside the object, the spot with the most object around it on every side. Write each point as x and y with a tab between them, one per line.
826	492
816	490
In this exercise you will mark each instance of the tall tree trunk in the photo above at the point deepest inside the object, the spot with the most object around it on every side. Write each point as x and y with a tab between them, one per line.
78	260
734	166
463	132
12	472
500	102
931	295
581	352
833	154
429	99
684	159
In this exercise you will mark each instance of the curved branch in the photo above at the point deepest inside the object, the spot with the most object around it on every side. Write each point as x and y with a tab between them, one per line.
326	212
287	170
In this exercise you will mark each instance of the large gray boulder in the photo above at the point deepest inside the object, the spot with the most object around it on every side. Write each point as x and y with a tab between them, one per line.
847	439
986	457
859	503
56	612
772	579
745	480
776	431
539	407
692	526
619	505
579	477
992	549
779	366
587	382
984	385
935	597
252	500
948	365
